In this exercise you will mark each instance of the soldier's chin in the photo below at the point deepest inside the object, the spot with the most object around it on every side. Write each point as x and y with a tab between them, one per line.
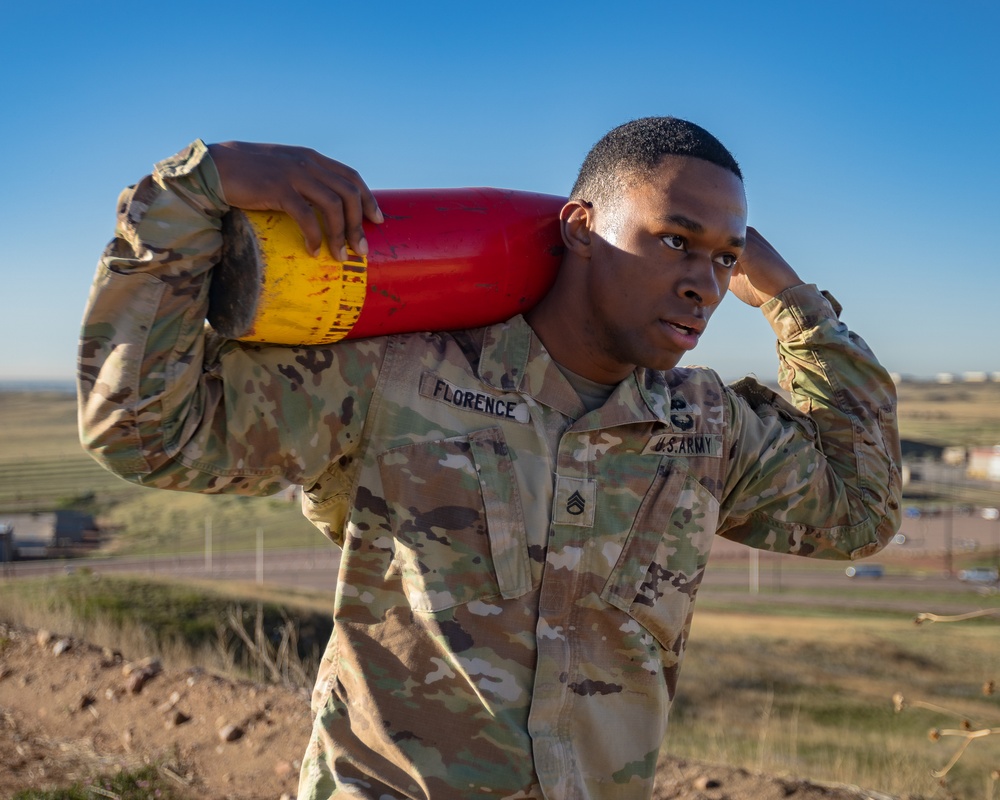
664	361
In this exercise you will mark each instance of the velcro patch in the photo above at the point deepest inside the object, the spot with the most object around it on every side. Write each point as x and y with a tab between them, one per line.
496	406
575	501
682	416
685	445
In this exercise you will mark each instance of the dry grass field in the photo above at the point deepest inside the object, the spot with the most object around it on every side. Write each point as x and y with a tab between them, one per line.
812	695
963	414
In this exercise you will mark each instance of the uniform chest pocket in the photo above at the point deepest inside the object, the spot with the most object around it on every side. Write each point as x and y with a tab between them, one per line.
456	520
664	557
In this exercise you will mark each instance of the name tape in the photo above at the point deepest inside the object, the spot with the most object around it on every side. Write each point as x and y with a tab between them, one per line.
687	445
498	407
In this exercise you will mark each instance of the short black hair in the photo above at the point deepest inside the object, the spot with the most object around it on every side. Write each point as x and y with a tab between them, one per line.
636	148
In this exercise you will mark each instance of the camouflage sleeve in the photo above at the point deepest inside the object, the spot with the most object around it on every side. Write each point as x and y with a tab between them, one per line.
820	478
162	400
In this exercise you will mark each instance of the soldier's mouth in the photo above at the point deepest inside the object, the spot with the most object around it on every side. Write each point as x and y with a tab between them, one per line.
684	336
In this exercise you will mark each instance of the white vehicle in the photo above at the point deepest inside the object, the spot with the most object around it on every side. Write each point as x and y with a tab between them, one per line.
865	571
979	575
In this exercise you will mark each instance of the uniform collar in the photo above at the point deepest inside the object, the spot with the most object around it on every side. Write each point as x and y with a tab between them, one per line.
513	359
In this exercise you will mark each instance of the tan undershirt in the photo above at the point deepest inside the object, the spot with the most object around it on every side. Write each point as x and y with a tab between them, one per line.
593	394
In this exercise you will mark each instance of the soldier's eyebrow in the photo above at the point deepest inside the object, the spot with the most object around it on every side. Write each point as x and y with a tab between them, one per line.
685	222
696	227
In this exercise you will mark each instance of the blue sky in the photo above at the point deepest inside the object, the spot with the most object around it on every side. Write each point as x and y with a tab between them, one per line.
867	132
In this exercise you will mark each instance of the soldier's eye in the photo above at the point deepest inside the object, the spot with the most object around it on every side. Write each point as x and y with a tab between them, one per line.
727	260
675	242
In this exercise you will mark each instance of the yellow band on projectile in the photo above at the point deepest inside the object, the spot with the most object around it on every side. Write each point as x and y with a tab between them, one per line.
304	299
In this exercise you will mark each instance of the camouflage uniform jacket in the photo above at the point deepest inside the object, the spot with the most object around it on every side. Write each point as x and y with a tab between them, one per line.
518	576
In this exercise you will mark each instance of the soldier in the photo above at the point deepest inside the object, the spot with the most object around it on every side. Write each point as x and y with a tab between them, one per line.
516	588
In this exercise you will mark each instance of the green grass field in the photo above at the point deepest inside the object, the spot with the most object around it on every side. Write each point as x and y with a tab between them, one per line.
42	467
41	463
145	783
184	622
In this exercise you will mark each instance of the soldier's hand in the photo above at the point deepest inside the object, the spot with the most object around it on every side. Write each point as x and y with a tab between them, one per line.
301	183
761	273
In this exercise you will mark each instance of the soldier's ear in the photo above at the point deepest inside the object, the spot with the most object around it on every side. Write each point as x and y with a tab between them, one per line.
576	219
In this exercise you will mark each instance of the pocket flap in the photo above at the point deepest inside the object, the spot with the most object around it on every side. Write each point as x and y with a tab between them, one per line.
504	519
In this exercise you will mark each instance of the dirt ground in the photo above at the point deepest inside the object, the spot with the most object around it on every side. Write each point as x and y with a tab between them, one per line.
70	711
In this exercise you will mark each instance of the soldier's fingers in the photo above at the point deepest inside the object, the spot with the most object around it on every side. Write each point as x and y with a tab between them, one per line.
344	201
351	177
340	210
339	203
302	212
301	182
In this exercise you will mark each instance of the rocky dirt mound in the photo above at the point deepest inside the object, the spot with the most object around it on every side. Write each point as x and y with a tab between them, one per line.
70	711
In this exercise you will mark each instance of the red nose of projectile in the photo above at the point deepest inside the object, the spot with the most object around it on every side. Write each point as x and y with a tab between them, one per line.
446	259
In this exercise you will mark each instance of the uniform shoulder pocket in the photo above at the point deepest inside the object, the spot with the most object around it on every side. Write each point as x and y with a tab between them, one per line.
664	557
456	519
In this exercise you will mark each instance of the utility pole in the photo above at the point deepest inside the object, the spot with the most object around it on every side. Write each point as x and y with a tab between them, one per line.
208	544
260	556
996	529
949	520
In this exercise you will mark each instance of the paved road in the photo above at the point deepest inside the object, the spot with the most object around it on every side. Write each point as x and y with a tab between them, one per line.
909	568
306	568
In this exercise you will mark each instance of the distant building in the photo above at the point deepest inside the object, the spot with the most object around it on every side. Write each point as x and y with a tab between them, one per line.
945	377
913	448
984	462
6	544
953	455
974	377
45	534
